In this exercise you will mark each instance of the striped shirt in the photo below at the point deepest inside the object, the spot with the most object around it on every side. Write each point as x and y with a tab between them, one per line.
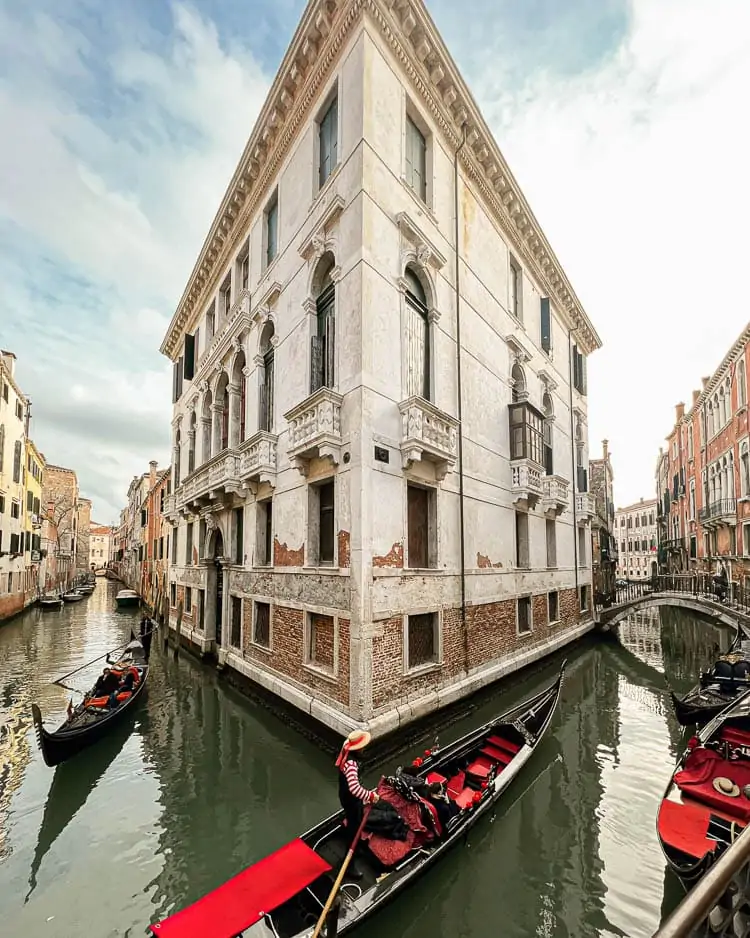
351	773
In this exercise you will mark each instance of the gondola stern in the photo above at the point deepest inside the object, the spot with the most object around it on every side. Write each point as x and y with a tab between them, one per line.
41	737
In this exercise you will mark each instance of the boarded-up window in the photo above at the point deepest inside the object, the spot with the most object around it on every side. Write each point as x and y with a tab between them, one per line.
522	540
418	507
262	625
264	549
553	606
422	640
321	641
523	621
551	543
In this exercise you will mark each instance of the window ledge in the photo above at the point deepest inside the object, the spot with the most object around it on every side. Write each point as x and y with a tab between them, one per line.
325	570
423	669
320	194
517	321
263	568
524	634
266	649
554	622
320	672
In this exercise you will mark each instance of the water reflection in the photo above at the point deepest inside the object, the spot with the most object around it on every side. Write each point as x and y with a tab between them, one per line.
204	783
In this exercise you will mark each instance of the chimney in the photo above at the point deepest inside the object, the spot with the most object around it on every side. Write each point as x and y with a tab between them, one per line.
696	395
704	382
152	471
605	450
679	411
641	499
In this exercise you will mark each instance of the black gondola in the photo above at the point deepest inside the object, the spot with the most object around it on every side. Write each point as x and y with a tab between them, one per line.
717	688
90	721
283	895
707	802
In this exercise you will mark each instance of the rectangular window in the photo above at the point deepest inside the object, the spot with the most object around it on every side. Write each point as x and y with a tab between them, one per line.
522	540
416	159
515	281
546	325
582	552
579	371
262	625
239	535
584	598
244	268
225	297
523	615
551	543
421	519
189	543
422	646
693	547
188	600
199	607
272	228
746	540
173	594
553	606
161	548
526	433
326	526
189	356
320	641
29	501
741	383
15	509
17	461
210	324
264	542
236	635
328	133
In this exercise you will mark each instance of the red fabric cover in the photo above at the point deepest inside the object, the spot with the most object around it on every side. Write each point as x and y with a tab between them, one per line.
465	799
735	736
496	755
503	743
456	785
434	815
696	780
244	899
684	827
390	852
435	777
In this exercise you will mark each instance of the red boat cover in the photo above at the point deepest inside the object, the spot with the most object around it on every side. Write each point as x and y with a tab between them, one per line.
247	897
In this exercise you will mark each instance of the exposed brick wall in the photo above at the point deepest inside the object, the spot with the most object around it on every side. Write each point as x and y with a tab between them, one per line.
10	604
287	654
284	556
492	635
394	557
324	643
344	550
484	562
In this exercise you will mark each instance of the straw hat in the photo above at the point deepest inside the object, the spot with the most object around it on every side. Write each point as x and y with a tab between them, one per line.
725	786
357	739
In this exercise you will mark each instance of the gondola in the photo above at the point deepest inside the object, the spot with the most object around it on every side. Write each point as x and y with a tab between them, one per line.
283	895
87	722
707	802
718	687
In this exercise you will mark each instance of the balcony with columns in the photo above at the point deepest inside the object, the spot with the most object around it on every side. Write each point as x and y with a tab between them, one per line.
526	429
208	485
428	433
315	429
585	506
258	458
555	494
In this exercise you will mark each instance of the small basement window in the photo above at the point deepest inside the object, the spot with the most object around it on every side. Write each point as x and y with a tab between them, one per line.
422	645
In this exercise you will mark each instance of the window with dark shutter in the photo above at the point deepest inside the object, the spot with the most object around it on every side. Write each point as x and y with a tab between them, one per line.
546	325
326	521
17	461
418	526
324	343
189	363
328	142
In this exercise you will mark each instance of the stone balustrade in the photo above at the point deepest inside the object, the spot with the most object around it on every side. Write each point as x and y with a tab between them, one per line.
585	505
428	433
526	482
315	428
258	458
555	493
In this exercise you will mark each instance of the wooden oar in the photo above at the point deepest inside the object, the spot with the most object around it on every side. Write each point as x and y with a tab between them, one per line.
88	663
342	872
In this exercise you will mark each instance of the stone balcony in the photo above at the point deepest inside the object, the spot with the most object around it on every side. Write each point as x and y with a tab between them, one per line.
209	483
170	507
258	458
428	433
555	494
315	429
526	482
585	506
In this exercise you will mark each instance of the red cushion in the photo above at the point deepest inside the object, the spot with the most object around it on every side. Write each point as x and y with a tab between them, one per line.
481	767
684	827
696	780
435	777
503	743
456	785
466	798
735	736
496	755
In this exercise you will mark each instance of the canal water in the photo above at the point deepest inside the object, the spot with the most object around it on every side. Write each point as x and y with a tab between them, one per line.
207	782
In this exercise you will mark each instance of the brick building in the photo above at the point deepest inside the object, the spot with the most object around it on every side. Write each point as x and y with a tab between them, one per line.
635	530
60	499
704	474
154	578
83	519
398	521
604	546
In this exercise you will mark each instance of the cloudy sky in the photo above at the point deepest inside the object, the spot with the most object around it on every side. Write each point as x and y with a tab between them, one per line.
625	122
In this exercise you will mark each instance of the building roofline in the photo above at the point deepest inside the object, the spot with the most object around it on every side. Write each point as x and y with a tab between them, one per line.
646	503
414	38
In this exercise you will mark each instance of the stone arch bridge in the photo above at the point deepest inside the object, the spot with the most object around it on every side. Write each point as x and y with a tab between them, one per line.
719	612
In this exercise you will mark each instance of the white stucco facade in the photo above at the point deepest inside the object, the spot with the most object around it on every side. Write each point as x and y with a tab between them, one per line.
636	534
324	319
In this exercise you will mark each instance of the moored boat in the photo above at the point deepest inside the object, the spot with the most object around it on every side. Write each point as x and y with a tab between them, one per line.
72	596
127	598
93	718
283	895
728	677
707	802
50	602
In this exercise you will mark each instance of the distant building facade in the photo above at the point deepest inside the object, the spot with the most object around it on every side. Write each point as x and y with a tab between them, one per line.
604	545
100	545
60	526
636	532
13	418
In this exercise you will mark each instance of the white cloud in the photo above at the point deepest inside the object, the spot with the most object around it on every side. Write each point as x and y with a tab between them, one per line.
637	171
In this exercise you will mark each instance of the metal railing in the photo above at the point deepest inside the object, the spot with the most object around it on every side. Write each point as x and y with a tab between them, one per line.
725	508
704	585
719	905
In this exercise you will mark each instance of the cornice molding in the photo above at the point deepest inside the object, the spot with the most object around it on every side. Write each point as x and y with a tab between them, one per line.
412	36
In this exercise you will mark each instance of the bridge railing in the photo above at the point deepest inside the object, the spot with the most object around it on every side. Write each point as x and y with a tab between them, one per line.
719	905
703	585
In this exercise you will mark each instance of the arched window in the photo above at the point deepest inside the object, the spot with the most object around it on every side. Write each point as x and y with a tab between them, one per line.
518	379
222	402
191	442
206	421
417	338
730	475
548	420
324	340
265	419
741	383
745	470
722	408
237	394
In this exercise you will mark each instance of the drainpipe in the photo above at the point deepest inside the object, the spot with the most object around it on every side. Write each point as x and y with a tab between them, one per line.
460	411
573	454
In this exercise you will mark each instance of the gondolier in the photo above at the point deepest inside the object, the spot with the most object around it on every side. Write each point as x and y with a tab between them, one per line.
352	794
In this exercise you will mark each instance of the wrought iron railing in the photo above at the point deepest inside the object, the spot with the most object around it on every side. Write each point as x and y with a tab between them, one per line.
724	508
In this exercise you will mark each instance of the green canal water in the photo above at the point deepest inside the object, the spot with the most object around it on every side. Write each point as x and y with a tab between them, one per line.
208	782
